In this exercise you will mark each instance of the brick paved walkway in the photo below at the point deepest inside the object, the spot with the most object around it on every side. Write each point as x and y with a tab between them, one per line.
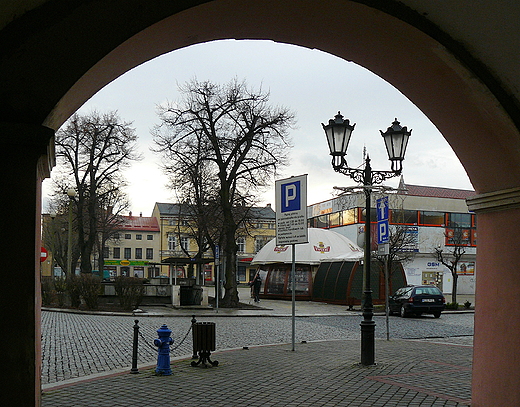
408	373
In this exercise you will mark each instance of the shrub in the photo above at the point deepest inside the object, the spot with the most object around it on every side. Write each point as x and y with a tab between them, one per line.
74	290
130	291
48	292
60	285
90	286
452	305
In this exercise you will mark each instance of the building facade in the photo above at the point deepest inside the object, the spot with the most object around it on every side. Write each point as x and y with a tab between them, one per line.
178	245
434	218
134	250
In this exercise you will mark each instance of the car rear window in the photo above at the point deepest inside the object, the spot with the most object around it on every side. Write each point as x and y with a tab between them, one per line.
428	291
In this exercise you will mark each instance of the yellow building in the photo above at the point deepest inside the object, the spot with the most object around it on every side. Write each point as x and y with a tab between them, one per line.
178	248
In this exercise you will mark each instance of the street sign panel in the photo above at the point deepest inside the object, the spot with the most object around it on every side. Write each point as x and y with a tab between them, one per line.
383	232
382	208
43	254
291	210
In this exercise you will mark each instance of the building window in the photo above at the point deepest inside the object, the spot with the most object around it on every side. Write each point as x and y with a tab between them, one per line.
117	253
335	219
459	220
458	237
138	237
106	252
149	254
128	236
128	253
138	253
185	243
149	237
432	218
241	243
172	241
403	216
115	236
260	241
171	222
349	217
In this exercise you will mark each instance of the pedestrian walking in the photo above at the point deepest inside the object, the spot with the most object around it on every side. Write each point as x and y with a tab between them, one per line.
255	285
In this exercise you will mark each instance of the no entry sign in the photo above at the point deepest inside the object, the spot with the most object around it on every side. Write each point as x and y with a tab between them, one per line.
43	254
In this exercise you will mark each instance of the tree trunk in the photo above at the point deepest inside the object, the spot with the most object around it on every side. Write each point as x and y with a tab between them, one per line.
454	286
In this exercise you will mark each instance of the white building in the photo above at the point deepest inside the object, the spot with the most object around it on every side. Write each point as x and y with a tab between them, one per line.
431	215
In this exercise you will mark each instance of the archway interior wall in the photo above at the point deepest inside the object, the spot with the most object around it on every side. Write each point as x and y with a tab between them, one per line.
464	111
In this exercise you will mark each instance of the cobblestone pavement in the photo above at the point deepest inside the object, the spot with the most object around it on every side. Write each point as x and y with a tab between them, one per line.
80	345
323	373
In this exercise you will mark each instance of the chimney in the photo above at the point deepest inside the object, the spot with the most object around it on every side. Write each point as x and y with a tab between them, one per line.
130	214
140	214
268	205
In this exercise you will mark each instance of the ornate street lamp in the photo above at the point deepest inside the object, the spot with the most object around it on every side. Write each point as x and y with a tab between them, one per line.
338	133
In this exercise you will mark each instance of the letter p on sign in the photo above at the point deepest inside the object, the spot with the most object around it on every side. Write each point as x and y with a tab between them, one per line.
291	197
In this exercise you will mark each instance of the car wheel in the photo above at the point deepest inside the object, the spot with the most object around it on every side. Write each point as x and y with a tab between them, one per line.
404	313
437	314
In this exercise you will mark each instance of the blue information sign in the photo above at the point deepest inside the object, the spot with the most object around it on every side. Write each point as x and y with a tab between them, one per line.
383	232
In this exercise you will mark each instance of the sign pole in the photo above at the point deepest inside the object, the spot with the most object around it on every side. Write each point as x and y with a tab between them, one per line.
291	224
293	284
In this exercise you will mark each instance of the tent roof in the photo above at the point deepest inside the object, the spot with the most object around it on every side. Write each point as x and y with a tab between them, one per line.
323	245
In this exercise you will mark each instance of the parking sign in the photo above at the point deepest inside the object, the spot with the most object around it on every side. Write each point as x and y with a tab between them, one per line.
291	210
383	232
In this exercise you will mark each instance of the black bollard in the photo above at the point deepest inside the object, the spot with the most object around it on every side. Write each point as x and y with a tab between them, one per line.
193	322
134	352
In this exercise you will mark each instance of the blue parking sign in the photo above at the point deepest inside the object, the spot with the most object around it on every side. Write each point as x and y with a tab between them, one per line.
291	197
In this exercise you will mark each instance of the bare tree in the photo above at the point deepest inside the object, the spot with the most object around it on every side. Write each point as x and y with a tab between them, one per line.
451	258
92	150
402	247
237	140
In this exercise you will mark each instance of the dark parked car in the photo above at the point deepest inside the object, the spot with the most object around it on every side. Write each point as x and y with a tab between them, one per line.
417	300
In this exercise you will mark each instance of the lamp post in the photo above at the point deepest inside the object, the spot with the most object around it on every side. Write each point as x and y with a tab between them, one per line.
338	133
71	194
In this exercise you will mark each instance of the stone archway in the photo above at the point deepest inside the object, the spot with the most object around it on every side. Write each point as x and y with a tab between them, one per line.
59	54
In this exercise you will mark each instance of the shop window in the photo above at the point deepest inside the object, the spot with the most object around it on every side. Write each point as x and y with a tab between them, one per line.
404	216
349	217
335	219
432	218
459	220
322	221
458	237
276	281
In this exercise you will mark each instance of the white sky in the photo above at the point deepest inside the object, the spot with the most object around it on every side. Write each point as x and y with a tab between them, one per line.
313	84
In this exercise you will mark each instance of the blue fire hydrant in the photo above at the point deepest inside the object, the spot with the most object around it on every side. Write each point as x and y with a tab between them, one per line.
163	355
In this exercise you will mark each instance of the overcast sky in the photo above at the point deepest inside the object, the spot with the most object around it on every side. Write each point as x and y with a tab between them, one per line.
313	84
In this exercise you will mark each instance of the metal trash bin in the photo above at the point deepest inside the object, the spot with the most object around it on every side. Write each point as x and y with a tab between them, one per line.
204	334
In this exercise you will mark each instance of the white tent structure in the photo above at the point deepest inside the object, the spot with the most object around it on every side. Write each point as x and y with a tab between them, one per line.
323	245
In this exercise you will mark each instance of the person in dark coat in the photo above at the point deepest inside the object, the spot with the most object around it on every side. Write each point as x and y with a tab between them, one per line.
256	284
